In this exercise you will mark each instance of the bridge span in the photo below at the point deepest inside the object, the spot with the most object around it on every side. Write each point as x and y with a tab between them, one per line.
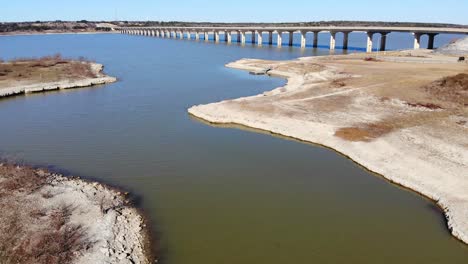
257	34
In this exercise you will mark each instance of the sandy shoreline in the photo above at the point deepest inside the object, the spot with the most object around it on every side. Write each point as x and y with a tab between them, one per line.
330	100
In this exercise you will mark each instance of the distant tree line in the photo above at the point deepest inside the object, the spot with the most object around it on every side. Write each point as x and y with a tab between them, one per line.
84	25
294	24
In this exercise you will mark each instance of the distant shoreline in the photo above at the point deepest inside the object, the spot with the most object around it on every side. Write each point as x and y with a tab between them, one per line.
56	33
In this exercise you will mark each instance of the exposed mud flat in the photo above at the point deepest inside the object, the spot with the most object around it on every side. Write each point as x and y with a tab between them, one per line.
49	218
400	114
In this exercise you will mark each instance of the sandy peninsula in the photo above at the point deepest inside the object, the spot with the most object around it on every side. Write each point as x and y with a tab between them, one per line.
22	76
400	114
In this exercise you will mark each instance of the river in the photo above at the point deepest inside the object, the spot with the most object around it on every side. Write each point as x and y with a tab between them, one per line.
215	194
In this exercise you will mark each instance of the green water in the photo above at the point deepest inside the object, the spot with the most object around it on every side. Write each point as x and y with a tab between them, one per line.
214	194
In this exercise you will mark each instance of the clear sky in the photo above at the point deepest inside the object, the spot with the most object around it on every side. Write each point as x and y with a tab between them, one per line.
446	11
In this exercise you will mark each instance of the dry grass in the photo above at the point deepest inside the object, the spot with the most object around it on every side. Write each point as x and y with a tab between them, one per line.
371	59
452	88
34	234
365	132
45	69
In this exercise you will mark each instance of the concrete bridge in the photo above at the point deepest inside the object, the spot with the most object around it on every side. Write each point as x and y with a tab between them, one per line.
257	34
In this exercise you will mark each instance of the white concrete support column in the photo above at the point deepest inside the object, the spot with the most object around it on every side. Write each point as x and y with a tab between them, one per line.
417	40
242	34
206	36
430	43
216	36
316	35
228	36
270	37
260	38
189	35
332	40
197	35
383	41
303	39
279	41
157	33
291	38
253	37
369	41
181	34
345	40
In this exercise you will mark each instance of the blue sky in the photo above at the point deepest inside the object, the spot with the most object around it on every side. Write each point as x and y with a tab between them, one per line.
450	11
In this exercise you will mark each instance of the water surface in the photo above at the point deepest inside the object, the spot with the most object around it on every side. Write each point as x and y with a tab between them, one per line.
214	195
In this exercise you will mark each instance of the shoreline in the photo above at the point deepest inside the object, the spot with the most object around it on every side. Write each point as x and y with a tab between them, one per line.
112	230
230	112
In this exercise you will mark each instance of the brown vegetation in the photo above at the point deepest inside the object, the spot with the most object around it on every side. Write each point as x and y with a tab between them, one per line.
33	235
365	132
425	105
45	69
452	88
370	59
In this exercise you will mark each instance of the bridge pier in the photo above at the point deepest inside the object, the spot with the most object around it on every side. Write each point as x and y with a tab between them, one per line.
332	40
383	41
303	39
206	36
197	35
242	34
189	35
279	41
228	36
260	38
417	40
430	43
345	40
291	38
216	36
270	37
369	41
181	34
316	35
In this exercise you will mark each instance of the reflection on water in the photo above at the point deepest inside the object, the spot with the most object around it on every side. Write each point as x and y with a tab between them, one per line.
215	195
